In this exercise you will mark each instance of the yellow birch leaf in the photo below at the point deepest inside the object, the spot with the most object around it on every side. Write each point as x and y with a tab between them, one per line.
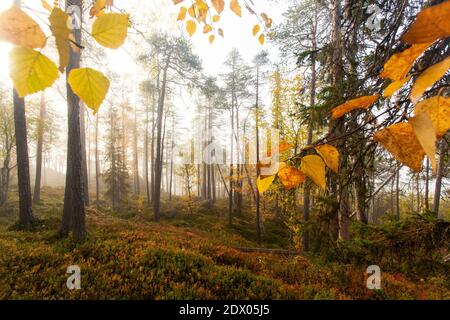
256	29
219	5
428	78
400	63
236	7
31	71
261	39
264	184
58	26
90	85
20	29
330	155
191	27
182	14
399	139
110	30
314	167
291	177
426	135
207	28
216	18
431	24
395	86
358	103
211	38
438	109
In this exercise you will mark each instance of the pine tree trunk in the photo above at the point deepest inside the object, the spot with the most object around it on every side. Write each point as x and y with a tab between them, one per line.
83	152
159	149
23	165
39	147
74	199
427	185
258	169
97	165
137	188
438	185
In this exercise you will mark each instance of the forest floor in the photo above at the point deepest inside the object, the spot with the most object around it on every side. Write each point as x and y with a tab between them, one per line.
127	256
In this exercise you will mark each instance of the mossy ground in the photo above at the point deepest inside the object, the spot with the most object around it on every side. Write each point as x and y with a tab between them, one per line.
127	256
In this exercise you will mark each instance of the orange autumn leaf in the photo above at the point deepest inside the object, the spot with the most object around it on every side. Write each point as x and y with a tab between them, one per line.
395	86
236	7
431	24
219	5
428	78
358	103
400	140
291	177
438	109
20	29
400	63
330	155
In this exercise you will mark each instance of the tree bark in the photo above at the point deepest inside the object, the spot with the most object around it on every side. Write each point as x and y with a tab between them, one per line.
23	165
74	199
97	166
438	185
159	149
39	147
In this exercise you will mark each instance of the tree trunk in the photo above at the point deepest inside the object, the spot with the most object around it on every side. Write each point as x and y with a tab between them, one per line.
397	195
23	165
438	185
83	152
97	166
258	169
427	185
137	188
74	199
158	162
39	147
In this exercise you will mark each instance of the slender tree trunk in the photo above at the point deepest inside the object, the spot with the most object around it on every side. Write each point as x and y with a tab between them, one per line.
147	185
258	169
427	185
39	147
438	185
83	152
158	167
97	166
397	195
231	188
74	199
23	165
137	189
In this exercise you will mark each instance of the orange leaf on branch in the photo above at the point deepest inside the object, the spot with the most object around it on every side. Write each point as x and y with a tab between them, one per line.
358	103
400	140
